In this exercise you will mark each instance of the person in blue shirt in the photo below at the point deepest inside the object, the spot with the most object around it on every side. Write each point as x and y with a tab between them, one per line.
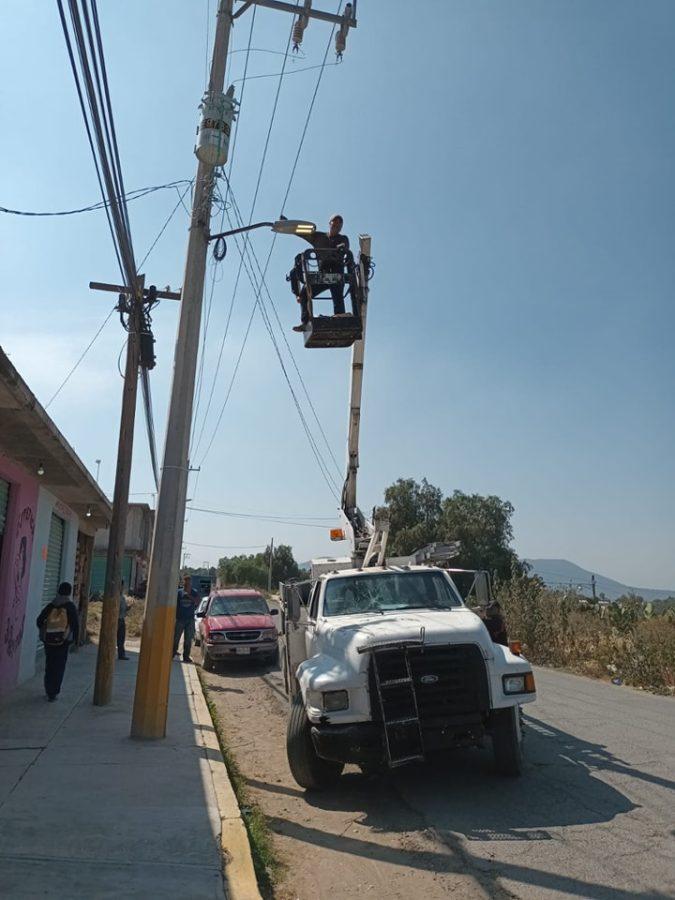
186	604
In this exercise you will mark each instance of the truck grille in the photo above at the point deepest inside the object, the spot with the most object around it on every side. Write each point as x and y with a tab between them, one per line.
450	683
242	635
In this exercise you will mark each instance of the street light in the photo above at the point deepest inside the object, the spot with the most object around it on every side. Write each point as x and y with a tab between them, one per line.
299	227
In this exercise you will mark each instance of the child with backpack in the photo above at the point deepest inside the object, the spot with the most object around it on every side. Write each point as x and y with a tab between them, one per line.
59	626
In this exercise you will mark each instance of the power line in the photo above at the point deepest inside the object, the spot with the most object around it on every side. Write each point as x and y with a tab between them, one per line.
274	520
269	255
290	72
165	225
226	546
80	358
150	423
101	204
200	377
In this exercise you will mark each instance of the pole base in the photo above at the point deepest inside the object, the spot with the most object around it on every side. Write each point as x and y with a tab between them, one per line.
151	700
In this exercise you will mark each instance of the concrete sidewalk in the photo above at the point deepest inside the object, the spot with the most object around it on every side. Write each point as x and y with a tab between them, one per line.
85	811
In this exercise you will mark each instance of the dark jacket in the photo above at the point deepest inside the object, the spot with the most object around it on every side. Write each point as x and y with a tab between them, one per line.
497	627
320	240
71	612
186	604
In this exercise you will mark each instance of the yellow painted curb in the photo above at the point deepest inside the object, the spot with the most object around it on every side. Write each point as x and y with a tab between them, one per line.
238	871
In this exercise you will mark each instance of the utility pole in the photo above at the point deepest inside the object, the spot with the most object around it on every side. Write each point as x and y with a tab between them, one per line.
152	683
269	573
132	299
98	468
593	587
105	659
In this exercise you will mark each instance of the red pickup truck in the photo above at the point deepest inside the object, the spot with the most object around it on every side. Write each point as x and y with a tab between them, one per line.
236	622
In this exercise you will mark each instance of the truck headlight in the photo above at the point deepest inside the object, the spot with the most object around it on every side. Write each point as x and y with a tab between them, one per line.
333	701
519	684
269	634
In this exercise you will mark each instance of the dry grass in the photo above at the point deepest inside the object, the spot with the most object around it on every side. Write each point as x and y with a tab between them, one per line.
134	618
619	641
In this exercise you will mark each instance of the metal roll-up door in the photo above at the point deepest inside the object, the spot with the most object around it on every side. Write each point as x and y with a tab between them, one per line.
4	501
54	554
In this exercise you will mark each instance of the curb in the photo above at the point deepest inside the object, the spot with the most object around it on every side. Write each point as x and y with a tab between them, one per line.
238	872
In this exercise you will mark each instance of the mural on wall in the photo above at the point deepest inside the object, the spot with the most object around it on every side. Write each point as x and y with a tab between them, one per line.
12	627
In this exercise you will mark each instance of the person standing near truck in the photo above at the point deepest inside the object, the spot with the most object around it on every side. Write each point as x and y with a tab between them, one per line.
186	604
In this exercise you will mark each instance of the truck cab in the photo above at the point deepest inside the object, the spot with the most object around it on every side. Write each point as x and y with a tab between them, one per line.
386	665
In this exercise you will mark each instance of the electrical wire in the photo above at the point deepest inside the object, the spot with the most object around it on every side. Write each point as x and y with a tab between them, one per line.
221	512
264	272
80	358
290	72
200	376
165	225
150	423
226	546
132	195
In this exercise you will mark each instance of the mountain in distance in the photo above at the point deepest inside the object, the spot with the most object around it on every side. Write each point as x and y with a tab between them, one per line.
560	572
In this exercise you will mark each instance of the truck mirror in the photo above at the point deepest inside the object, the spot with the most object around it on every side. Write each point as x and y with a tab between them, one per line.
482	586
274	612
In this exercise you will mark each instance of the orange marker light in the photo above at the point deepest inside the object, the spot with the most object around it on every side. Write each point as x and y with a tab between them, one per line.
516	647
337	534
529	683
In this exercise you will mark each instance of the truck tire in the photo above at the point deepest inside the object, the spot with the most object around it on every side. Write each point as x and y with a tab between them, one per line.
507	741
208	664
308	769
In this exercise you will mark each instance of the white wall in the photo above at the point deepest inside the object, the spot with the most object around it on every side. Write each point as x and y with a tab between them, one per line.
47	504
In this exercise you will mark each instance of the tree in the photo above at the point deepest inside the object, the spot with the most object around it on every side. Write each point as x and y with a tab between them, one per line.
414	513
253	570
419	515
483	527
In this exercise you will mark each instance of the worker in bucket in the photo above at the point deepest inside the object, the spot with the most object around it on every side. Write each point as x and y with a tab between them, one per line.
332	239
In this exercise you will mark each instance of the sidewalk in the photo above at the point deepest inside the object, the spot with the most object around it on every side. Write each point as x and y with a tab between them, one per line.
85	811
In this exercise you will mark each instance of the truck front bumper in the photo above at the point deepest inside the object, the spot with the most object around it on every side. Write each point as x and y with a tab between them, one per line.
360	743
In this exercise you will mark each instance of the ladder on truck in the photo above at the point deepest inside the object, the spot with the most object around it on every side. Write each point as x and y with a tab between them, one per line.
402	732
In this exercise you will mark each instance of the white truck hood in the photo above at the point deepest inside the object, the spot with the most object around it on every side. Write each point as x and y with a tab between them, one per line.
341	637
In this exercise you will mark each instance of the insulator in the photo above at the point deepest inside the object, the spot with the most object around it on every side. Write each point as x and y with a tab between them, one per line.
340	43
298	32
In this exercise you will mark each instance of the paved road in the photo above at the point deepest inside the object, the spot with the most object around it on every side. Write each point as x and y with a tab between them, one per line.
592	816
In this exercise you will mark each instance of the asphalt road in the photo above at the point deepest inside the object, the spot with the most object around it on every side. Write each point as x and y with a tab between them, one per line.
592	815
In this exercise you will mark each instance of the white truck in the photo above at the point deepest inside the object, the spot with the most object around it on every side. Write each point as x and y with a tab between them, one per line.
385	664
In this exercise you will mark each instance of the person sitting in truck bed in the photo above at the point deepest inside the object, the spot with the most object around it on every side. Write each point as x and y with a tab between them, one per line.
322	240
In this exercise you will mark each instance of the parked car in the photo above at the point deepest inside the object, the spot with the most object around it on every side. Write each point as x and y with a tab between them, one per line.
199	614
237	622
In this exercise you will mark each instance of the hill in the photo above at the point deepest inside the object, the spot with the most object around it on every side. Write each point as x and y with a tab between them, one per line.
560	572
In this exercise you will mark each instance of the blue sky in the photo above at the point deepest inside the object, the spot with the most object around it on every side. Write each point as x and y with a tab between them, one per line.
514	164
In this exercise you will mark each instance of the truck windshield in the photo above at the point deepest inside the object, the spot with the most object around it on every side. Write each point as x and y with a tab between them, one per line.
388	592
238	606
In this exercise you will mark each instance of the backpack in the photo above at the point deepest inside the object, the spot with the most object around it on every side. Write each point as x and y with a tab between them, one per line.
56	627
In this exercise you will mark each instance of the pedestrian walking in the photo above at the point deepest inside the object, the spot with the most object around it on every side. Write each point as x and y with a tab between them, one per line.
186	605
122	625
59	626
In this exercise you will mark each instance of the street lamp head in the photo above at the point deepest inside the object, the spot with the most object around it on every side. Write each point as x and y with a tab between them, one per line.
294	226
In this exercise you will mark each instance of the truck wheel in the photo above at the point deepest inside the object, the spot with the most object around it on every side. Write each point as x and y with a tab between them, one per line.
308	769
208	663
507	741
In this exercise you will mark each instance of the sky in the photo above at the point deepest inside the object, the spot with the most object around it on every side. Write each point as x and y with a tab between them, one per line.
513	162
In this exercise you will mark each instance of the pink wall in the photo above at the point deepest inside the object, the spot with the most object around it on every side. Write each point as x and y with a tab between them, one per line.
17	547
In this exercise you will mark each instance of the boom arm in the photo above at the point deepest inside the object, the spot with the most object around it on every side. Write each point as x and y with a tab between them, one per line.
369	539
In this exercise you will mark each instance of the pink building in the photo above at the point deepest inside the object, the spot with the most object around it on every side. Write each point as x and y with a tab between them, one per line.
50	509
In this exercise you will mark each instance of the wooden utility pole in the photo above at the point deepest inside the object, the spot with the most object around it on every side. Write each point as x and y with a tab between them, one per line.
269	573
105	661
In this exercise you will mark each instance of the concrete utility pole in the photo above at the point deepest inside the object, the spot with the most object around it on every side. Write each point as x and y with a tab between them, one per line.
152	683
